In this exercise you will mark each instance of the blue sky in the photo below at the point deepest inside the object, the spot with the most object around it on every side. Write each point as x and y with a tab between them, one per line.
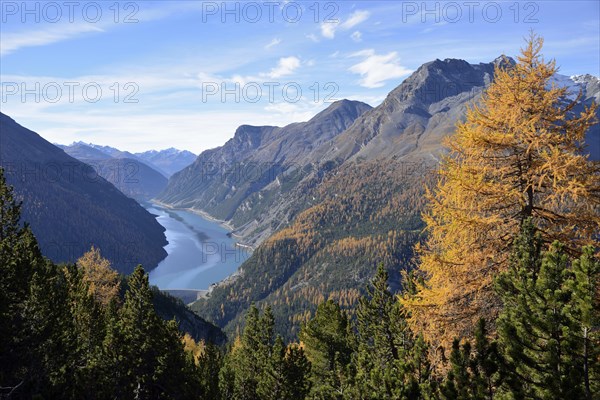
144	75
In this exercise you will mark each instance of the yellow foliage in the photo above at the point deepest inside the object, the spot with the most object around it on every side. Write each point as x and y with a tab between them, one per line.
190	346
103	281
518	154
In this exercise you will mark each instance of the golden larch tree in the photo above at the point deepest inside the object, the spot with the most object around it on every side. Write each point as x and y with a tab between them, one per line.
519	153
104	282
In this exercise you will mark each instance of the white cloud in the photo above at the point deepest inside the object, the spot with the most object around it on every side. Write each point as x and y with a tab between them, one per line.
273	43
285	66
356	36
295	112
12	41
328	29
313	37
356	18
376	69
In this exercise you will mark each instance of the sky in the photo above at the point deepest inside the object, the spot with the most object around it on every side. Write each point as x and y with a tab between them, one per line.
141	75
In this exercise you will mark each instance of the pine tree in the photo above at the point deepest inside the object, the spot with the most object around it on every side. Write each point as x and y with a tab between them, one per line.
384	344
296	369
519	154
475	373
487	365
246	368
585	310
49	334
286	375
248	361
457	384
272	384
88	333
210	363
538	334
326	339
146	354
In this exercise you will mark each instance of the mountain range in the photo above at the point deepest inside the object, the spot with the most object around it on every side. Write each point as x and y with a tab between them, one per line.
324	201
167	161
129	174
248	181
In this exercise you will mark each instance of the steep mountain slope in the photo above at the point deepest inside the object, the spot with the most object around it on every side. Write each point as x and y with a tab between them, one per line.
168	161
131	176
169	307
253	181
70	207
357	201
589	87
364	214
258	163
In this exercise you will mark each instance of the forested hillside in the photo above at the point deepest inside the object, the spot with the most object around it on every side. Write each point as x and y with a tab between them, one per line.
70	207
363	214
252	176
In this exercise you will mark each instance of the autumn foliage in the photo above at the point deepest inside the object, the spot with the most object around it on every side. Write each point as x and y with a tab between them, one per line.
520	153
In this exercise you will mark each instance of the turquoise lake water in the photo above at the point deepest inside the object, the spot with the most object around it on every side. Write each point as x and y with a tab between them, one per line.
200	252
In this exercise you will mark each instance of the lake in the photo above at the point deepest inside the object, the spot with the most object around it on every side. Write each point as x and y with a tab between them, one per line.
200	252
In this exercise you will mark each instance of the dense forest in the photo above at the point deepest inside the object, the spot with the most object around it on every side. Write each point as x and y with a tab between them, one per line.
503	302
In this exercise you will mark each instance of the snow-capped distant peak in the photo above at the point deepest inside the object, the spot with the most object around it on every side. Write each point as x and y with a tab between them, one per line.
573	86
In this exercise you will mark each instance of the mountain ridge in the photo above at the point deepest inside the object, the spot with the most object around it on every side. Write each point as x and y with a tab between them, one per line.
135	178
69	207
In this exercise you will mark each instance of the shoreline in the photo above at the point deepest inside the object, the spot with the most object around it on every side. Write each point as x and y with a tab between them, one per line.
207	217
203	293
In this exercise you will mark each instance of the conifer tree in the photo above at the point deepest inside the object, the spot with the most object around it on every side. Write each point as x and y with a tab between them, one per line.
210	363
326	340
286	375
245	371
475	373
520	154
585	310
143	350
296	368
103	281
88	333
383	369
458	381
538	331
272	384
248	361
